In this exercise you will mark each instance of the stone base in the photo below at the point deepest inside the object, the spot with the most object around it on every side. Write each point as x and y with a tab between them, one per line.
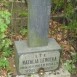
29	60
58	73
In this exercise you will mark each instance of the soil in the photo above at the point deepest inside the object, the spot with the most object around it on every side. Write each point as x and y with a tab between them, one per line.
55	31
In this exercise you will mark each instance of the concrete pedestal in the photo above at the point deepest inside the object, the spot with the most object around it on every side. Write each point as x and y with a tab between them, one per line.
29	60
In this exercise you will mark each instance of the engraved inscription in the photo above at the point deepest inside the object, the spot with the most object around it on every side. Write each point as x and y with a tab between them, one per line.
30	63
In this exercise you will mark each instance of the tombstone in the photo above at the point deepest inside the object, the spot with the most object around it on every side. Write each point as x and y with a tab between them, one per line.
38	51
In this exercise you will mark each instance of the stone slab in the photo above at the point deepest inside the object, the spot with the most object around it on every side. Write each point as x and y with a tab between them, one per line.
29	60
59	73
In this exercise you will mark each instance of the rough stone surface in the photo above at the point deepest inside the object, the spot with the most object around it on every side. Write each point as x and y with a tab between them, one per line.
29	60
58	73
38	22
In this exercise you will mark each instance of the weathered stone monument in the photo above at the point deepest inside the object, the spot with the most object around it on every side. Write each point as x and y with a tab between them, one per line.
38	51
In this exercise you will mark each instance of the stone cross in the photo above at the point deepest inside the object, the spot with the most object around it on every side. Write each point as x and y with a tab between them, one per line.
38	22
38	51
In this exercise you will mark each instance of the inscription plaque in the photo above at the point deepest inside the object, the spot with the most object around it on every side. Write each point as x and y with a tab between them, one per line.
30	63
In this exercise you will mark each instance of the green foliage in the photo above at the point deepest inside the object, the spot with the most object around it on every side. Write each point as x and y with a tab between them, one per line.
69	10
57	4
4	63
70	64
5	42
4	23
71	26
4	20
7	53
74	57
24	32
23	14
69	14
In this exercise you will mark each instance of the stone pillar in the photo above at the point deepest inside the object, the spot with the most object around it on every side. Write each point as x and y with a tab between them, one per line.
38	22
